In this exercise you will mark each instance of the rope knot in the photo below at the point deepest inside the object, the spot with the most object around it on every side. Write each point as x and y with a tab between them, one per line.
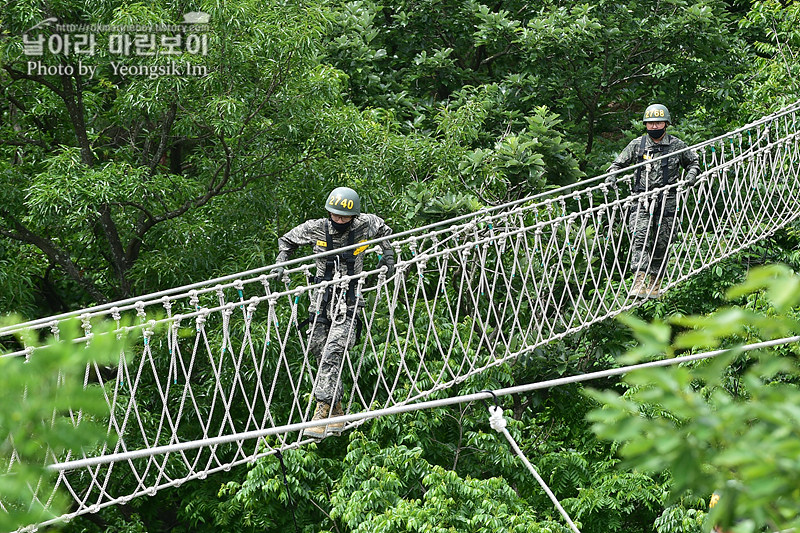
496	419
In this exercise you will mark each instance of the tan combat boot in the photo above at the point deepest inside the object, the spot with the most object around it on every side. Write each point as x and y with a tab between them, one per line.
653	287
336	427
322	412
638	289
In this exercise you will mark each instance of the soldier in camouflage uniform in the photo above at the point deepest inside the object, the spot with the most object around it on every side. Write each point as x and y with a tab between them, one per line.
652	221
333	312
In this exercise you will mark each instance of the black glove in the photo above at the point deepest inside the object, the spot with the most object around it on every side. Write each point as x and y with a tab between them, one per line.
388	261
611	181
279	270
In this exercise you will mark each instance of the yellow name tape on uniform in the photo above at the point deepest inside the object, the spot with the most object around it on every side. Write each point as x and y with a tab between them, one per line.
362	248
356	252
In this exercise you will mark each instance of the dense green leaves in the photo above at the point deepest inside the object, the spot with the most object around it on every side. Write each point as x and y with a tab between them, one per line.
47	410
117	185
729	424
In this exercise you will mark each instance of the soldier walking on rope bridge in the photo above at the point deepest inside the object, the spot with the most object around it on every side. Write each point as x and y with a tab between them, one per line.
652	225
333	312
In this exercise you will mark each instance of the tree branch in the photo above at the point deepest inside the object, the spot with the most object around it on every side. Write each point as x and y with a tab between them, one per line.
169	120
73	100
24	141
19	75
118	257
53	253
19	105
492	57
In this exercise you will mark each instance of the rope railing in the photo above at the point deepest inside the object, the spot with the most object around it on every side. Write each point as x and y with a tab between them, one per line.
250	276
225	362
407	408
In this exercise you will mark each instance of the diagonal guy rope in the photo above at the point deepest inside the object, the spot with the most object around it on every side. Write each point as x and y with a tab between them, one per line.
223	373
498	423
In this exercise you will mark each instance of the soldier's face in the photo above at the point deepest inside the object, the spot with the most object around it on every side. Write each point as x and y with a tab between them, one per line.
341	219
656	125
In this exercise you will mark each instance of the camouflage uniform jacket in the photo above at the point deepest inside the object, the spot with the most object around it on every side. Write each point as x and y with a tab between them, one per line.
364	227
650	176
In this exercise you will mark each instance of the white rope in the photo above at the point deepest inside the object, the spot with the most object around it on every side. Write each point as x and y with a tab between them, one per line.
399	409
498	423
225	365
488	212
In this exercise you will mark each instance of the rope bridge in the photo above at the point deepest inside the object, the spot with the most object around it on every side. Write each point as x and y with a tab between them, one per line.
223	375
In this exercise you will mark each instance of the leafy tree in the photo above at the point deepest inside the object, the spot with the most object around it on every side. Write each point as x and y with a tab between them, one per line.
596	65
430	109
772	82
602	63
729	424
41	396
98	171
382	489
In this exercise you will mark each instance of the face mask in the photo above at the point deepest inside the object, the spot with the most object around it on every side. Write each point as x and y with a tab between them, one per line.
656	134
341	228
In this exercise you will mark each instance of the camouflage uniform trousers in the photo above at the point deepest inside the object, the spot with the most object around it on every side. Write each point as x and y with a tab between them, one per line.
652	224
328	343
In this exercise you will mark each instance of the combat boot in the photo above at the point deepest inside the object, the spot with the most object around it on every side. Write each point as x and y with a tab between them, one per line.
653	286
322	412
336	427
638	289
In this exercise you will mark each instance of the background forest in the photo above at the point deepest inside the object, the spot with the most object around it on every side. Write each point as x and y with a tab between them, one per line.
113	186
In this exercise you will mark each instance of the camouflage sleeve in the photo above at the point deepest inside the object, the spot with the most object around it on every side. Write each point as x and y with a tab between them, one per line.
626	158
691	163
377	229
294	238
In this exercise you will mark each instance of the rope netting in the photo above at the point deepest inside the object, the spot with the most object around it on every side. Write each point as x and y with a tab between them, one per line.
223	374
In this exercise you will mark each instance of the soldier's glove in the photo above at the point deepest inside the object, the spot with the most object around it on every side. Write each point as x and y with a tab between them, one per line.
279	270
388	261
692	181
611	181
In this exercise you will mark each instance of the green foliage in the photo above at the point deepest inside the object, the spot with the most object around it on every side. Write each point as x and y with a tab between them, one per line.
737	436
390	489
160	152
680	519
40	398
776	68
430	109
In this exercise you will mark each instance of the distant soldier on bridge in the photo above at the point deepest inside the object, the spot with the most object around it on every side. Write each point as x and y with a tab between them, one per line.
333	312
652	221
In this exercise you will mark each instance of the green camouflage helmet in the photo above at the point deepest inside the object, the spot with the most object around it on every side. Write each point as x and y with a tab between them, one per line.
657	113
343	201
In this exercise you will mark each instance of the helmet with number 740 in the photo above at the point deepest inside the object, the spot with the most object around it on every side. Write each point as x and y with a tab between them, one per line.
343	201
657	113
